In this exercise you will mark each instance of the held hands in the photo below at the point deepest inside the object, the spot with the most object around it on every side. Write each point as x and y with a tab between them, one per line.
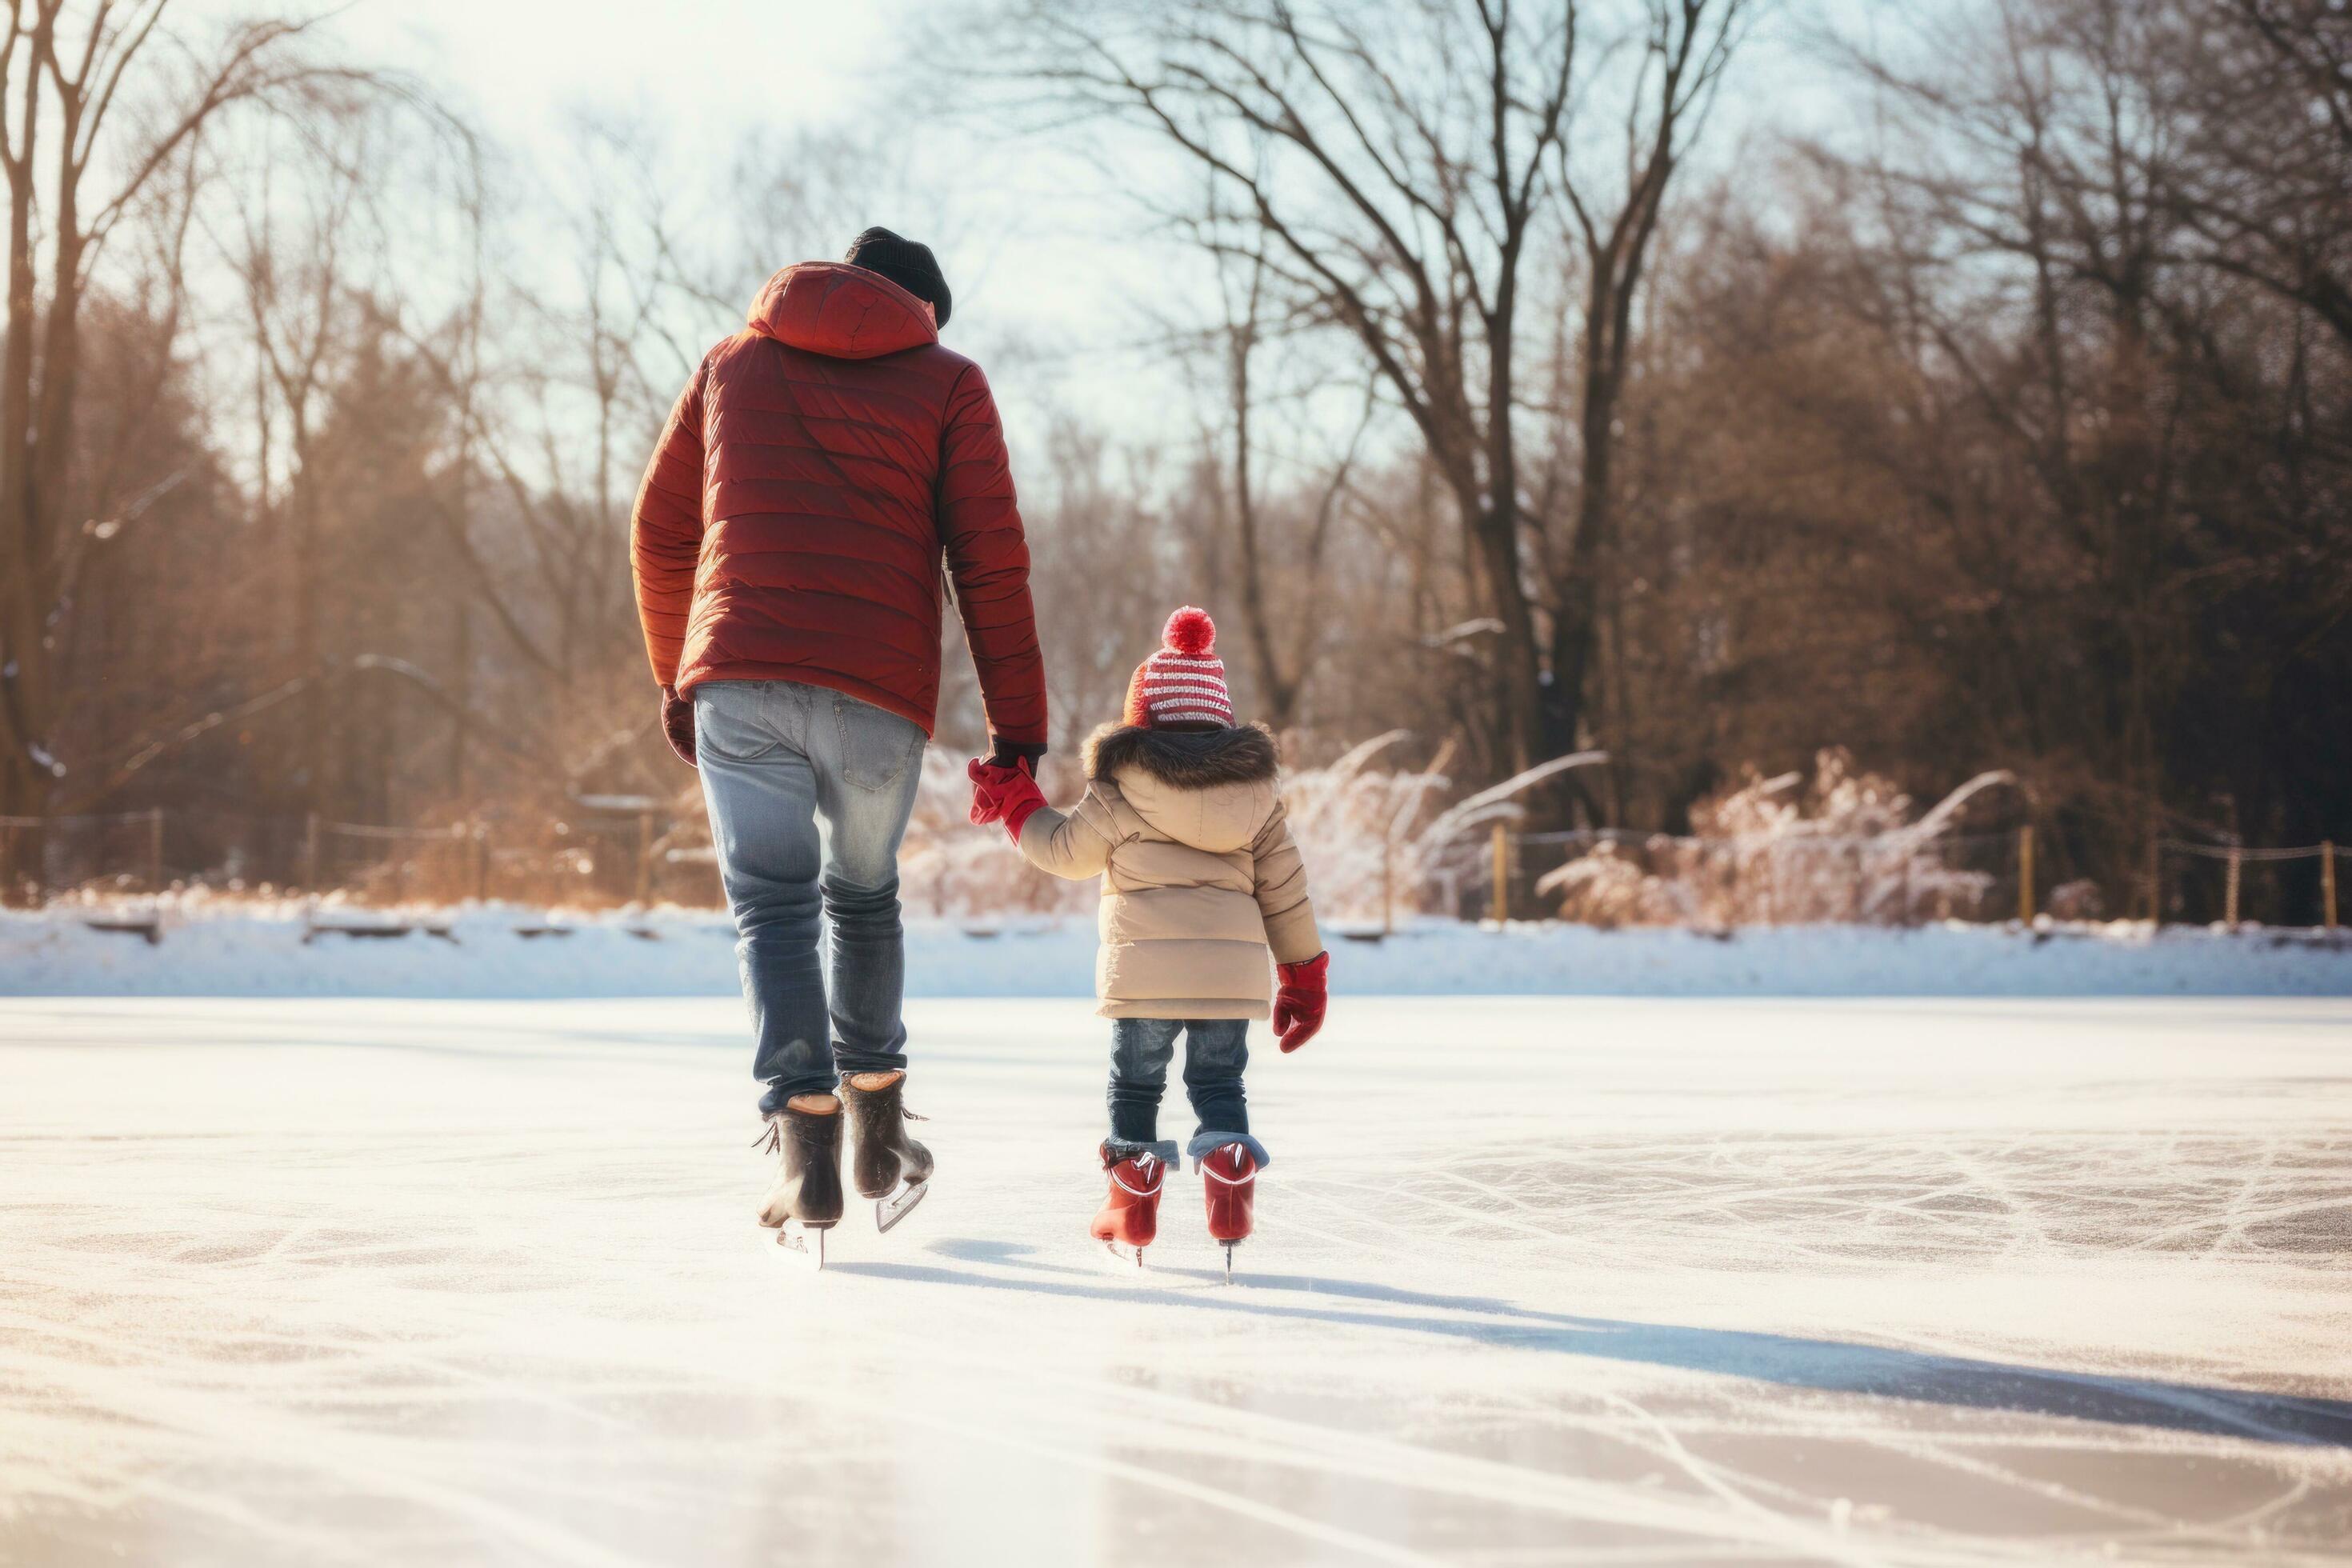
1006	794
986	775
1299	1000
987	791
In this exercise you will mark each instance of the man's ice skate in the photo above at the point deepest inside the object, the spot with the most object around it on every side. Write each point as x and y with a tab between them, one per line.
889	1167
1229	1185
806	1200
1129	1218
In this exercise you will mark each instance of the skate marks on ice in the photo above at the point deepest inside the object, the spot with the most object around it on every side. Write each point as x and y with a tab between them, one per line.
1846	1201
1821	1365
295	1283
1476	1446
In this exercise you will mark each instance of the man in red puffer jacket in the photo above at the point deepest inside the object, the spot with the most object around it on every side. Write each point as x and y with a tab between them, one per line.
787	544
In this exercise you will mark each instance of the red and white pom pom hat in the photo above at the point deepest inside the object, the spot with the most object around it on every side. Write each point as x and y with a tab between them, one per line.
1184	682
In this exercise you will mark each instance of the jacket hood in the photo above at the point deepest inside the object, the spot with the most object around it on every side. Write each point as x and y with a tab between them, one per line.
842	312
1210	789
1183	759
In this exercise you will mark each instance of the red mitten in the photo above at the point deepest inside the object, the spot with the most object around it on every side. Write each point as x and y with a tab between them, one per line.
1299	1000
678	725
987	803
1003	794
1022	799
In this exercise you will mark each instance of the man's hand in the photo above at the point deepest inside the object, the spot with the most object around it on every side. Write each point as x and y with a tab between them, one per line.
1022	754
678	725
1300	1001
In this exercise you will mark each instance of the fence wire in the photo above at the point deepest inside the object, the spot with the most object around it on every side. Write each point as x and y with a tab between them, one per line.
1600	875
587	860
2244	854
1607	876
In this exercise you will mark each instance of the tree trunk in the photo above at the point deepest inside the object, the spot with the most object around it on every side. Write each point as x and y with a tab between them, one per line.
1273	693
21	655
1517	659
1575	622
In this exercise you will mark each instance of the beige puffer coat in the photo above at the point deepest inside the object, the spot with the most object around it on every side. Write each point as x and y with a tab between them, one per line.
1200	875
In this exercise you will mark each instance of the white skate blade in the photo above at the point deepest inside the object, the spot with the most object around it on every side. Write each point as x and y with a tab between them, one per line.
1121	1258
800	1246
890	1211
1229	1261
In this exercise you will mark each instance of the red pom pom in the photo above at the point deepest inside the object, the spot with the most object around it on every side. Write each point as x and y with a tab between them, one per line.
1191	632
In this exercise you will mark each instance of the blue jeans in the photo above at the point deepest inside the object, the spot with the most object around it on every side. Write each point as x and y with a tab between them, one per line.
809	793
1216	1053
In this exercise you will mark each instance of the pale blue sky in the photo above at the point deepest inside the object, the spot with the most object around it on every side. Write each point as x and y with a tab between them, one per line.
1045	274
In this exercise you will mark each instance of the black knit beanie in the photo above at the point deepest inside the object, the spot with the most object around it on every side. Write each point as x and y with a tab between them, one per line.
909	264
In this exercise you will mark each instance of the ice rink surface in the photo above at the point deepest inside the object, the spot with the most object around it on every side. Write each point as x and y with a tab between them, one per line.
1537	1281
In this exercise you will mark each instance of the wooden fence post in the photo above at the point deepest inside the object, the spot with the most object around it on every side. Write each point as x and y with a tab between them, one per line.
644	857
481	863
2026	874
2154	880
311	854
2230	889
2327	881
1502	873
155	850
1388	879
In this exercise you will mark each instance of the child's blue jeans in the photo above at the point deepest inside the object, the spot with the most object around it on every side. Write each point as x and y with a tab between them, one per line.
1216	1052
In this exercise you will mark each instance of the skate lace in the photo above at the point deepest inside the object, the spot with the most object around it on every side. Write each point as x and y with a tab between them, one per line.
903	1109
1148	1164
773	1140
1210	1170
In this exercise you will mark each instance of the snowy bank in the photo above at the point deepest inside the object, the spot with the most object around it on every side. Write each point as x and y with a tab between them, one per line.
203	949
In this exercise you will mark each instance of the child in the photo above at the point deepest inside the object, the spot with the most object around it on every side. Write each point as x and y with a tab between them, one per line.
1182	821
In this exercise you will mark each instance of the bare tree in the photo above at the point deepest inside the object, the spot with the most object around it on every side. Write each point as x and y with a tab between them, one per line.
78	161
2257	95
1405	175
1281	533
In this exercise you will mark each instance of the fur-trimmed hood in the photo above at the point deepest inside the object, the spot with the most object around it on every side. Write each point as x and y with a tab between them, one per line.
1210	789
1184	759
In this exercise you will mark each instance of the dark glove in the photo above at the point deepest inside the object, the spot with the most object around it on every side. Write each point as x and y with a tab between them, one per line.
1299	1000
1003	794
1022	754
678	725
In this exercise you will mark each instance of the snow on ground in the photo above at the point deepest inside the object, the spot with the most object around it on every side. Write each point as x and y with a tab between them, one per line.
1537	1280
214	949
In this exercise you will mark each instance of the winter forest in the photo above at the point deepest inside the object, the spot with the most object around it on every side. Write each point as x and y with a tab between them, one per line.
1815	412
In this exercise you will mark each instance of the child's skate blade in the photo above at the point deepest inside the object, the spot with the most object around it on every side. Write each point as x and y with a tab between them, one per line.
890	1211
1229	1261
802	1244
1121	1258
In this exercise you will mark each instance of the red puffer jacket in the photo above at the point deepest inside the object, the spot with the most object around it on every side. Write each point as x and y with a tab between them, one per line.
791	522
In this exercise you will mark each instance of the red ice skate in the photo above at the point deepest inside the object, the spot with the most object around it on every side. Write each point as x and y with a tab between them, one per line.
1129	1218
1229	1184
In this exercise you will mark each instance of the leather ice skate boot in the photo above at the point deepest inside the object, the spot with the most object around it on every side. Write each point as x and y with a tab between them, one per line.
1128	1220
807	1193
888	1167
1229	1186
